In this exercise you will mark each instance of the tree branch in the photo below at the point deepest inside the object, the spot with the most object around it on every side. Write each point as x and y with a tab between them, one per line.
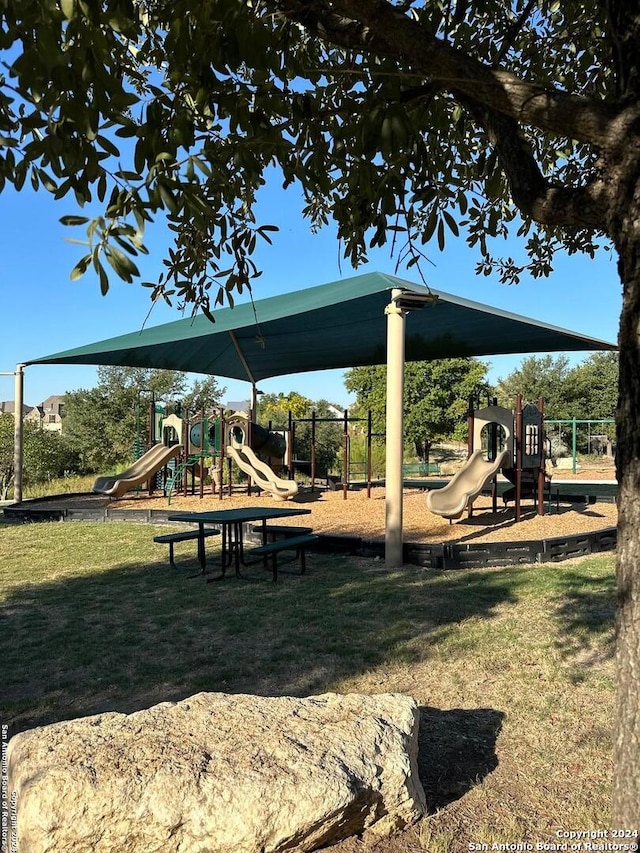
549	204
377	26
623	22
514	29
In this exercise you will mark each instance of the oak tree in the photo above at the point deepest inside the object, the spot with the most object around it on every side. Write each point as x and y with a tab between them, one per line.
403	121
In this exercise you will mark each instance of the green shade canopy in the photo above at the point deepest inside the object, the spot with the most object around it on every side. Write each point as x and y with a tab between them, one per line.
337	325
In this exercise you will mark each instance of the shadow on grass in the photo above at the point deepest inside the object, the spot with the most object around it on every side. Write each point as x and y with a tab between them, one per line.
457	749
586	608
127	637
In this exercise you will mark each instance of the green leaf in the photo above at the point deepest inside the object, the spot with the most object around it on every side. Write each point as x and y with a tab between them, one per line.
123	265
107	145
103	278
80	268
74	220
453	225
68	8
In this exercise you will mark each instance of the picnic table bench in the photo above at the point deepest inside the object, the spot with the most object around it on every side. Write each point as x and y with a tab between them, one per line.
273	531
182	536
289	543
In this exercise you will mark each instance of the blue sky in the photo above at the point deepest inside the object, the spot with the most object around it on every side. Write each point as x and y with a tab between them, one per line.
43	311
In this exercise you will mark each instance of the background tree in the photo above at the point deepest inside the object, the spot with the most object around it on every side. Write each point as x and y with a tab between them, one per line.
547	377
594	386
394	116
6	454
101	424
435	398
588	390
203	394
47	455
274	409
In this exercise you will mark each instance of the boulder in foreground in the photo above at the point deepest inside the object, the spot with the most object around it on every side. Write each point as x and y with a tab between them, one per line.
218	772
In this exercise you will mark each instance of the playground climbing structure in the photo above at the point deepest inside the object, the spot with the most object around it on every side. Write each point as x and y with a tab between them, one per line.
500	441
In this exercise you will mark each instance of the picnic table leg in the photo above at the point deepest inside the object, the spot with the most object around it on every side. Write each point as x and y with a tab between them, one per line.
223	555
264	542
238	532
202	557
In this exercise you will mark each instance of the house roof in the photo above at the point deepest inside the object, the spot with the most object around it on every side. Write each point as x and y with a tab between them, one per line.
7	407
341	324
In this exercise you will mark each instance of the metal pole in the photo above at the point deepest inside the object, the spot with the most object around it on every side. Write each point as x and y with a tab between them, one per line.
369	474
345	456
395	395
542	457
313	450
518	432
18	435
574	445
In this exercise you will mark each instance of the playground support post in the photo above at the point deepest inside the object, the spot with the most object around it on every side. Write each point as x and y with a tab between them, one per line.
395	394
470	429
542	453
203	437
369	459
493	455
221	452
518	437
313	450
345	454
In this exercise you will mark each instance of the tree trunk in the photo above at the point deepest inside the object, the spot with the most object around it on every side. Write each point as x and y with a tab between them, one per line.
6	481
626	784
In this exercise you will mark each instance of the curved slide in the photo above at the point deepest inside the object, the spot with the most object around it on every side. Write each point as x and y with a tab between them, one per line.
153	460
451	500
262	475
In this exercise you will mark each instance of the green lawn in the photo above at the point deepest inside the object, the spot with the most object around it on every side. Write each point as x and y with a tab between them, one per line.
512	667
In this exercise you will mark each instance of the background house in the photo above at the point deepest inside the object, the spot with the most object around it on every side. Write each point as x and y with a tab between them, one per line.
7	407
52	412
47	415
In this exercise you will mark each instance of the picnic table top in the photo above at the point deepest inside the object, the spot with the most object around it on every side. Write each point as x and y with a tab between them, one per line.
240	514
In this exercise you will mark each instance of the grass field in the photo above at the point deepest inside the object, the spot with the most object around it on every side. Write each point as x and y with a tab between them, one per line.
512	667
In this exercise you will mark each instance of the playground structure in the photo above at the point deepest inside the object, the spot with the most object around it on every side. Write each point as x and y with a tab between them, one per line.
185	447
191	447
597	443
500	441
362	469
245	437
142	470
211	439
207	444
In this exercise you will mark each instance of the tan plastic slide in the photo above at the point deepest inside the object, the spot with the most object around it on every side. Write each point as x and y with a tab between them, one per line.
153	460
451	500
261	474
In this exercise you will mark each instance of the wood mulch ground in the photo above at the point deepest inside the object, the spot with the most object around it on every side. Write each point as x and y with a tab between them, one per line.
358	515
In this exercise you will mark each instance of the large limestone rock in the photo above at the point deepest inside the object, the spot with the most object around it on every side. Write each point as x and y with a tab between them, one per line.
219	773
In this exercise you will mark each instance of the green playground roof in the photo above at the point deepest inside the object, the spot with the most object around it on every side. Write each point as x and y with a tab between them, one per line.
337	325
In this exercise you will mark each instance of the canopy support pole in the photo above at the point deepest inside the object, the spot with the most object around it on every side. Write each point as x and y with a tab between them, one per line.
395	433
254	390
243	360
18	435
